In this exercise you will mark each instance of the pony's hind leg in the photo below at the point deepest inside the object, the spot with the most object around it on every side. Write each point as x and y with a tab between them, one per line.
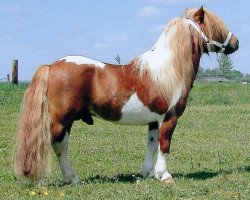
152	141
61	150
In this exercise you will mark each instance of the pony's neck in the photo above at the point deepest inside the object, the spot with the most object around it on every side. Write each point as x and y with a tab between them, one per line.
173	61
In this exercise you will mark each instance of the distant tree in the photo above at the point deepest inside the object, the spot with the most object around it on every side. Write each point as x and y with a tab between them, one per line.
118	59
246	78
225	65
200	74
211	72
224	69
236	76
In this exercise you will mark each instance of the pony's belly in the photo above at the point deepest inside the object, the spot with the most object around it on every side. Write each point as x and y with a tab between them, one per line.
142	118
135	113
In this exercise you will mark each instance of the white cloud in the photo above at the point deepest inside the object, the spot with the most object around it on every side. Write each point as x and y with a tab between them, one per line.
148	11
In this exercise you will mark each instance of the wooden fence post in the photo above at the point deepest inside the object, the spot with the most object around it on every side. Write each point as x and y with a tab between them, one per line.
15	72
8	78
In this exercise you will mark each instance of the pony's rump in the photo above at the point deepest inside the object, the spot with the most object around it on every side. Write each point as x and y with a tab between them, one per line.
33	134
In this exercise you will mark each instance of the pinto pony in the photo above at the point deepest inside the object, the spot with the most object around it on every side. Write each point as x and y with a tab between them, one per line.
150	90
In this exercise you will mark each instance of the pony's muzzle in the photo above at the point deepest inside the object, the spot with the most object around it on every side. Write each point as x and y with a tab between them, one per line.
232	46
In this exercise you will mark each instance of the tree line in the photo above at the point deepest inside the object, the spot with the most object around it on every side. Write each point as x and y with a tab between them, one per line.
225	69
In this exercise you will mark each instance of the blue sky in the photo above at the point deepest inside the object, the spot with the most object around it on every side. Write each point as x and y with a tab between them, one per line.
38	32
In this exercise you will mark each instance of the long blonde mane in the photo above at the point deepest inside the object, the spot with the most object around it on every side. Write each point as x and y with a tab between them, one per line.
170	61
216	28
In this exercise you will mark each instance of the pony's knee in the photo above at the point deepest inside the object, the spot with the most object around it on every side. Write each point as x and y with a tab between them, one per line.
166	132
164	143
58	132
61	147
165	147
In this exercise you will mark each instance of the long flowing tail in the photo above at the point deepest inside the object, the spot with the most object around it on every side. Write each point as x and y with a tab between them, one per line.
32	155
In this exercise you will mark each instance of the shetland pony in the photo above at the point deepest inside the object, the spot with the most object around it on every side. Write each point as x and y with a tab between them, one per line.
150	90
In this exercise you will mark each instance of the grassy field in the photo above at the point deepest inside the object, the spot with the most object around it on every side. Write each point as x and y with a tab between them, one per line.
209	156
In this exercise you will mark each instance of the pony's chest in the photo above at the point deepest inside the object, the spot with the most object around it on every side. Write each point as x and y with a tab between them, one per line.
134	112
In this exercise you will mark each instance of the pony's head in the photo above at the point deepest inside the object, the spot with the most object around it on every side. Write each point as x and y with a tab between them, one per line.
215	35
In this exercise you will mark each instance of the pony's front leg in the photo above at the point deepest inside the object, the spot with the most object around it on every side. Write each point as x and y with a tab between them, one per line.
165	134
61	150
152	141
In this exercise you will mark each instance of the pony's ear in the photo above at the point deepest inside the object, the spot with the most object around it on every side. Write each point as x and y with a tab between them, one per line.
199	15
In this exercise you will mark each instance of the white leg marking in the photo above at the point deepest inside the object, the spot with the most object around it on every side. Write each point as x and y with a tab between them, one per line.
147	167
161	172
61	150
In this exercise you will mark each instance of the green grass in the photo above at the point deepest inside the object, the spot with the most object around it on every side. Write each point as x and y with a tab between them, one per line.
209	154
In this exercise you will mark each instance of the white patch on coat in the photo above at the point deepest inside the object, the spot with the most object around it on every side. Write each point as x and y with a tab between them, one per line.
159	62
159	57
61	150
135	113
148	165
81	60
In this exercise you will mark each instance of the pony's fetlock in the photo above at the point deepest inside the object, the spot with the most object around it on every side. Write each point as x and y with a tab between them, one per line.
72	179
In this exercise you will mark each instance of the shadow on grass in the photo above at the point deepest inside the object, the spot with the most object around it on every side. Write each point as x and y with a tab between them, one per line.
203	175
133	177
121	178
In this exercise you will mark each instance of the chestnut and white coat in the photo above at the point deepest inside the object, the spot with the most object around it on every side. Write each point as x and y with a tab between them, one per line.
150	90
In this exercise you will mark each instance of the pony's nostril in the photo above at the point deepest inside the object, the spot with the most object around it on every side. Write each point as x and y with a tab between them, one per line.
237	43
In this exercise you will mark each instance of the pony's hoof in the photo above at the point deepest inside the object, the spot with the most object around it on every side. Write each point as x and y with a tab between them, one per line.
39	183
75	181
170	182
69	182
148	173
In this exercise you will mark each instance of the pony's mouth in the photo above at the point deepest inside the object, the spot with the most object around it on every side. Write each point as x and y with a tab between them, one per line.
231	49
